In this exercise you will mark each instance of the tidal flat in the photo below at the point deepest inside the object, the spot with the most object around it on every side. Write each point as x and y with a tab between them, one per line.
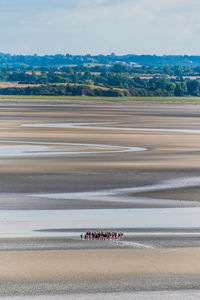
69	166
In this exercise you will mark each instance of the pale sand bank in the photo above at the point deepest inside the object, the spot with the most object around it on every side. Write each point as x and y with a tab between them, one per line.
96	264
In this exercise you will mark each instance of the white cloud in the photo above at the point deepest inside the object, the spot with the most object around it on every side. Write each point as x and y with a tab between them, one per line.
95	26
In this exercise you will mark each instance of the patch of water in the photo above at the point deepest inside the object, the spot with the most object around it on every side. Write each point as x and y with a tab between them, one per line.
118	195
136	245
94	126
19	150
26	223
38	148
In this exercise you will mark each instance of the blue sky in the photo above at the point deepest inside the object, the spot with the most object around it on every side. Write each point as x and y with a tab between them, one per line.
100	26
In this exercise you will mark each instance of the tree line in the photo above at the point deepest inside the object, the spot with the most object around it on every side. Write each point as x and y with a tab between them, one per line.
117	80
110	59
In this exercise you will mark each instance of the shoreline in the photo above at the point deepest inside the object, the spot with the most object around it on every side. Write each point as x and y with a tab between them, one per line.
184	100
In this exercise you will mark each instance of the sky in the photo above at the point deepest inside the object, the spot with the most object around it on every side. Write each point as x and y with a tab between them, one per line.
100	26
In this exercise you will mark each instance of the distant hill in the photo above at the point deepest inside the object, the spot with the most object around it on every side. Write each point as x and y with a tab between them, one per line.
98	60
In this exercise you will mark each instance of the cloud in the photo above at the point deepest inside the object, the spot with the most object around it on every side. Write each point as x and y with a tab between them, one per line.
95	26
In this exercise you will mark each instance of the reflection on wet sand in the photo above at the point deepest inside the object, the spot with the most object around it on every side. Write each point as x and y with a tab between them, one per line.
31	149
122	195
38	223
93	126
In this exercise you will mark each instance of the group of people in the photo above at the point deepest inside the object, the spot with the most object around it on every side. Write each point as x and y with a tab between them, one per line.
102	235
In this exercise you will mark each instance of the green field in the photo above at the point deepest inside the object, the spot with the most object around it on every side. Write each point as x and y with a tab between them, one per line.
161	99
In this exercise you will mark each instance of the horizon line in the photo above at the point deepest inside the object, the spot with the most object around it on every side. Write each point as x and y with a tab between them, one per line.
96	54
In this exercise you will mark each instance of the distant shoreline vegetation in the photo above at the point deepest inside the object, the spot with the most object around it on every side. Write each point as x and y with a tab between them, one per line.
100	76
91	60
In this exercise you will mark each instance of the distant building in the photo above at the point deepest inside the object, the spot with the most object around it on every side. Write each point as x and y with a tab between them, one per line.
134	65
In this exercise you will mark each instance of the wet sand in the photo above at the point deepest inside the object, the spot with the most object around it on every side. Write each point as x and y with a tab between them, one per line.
133	240
90	172
68	265
66	272
166	175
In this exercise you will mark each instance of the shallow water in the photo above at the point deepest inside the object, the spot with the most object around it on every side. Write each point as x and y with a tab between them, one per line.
26	223
21	148
122	194
93	126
